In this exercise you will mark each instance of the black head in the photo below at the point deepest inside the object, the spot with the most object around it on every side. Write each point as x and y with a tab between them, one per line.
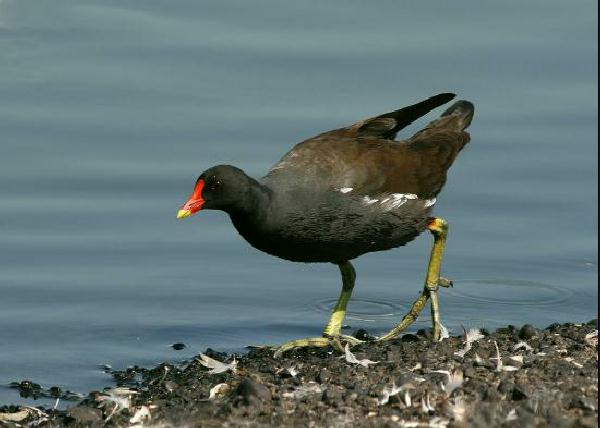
222	187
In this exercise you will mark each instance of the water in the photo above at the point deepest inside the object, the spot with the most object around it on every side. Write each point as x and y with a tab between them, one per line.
109	110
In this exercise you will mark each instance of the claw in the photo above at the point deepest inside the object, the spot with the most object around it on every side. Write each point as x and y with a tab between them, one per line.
445	282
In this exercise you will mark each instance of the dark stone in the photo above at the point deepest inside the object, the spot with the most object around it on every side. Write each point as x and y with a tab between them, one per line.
332	396
362	334
593	323
83	414
584	403
527	332
323	376
424	332
509	330
469	372
211	353
252	392
553	327
28	389
404	378
589	422
410	338
520	392
170	386
490	394
506	387
55	392
178	346
559	420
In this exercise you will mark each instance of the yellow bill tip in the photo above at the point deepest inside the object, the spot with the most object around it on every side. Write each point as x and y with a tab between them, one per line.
183	214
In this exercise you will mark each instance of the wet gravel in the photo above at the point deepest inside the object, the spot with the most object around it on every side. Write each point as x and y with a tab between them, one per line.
542	378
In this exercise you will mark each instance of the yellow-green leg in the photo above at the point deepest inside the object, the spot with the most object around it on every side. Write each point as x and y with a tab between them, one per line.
331	333
439	228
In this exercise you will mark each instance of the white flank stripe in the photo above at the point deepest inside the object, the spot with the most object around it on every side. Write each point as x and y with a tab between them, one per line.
430	202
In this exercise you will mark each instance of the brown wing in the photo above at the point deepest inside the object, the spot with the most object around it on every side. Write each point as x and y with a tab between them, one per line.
373	166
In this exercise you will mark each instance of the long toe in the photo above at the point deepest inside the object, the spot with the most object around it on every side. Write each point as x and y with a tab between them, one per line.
314	342
336	342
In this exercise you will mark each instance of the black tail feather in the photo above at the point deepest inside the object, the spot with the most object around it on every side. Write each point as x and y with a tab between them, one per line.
407	115
463	111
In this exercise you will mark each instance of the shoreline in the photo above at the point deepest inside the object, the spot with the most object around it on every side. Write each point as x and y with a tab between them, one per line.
543	377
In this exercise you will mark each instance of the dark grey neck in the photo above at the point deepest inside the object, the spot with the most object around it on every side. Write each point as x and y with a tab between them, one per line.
253	209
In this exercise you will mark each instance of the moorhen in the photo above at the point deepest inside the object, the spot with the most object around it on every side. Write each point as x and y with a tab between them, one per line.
344	193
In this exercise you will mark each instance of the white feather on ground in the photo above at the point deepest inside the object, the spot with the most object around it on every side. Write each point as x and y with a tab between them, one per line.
444	333
472	335
351	358
387	393
522	345
215	366
500	367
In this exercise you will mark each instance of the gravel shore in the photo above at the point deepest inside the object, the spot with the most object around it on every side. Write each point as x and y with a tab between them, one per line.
513	377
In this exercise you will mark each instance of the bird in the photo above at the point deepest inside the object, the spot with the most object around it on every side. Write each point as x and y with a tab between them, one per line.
344	193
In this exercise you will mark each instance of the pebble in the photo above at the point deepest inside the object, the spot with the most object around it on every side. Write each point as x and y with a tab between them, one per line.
332	396
362	334
84	414
323	376
252	392
410	338
527	332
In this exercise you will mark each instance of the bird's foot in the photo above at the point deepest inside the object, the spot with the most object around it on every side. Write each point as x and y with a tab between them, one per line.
317	342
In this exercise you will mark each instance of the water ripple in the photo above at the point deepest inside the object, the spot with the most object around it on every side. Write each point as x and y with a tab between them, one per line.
364	309
511	292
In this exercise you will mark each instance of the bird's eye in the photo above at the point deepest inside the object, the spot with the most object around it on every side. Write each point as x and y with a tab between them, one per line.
214	183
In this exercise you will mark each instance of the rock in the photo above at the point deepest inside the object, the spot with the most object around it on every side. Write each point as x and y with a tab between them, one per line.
469	372
410	338
84	414
252	392
509	330
490	394
28	389
520	392
584	403
178	346
332	396
527	332
424	332
593	323
505	387
362	334
323	376
553	327
55	391
589	422
558	420
170	386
